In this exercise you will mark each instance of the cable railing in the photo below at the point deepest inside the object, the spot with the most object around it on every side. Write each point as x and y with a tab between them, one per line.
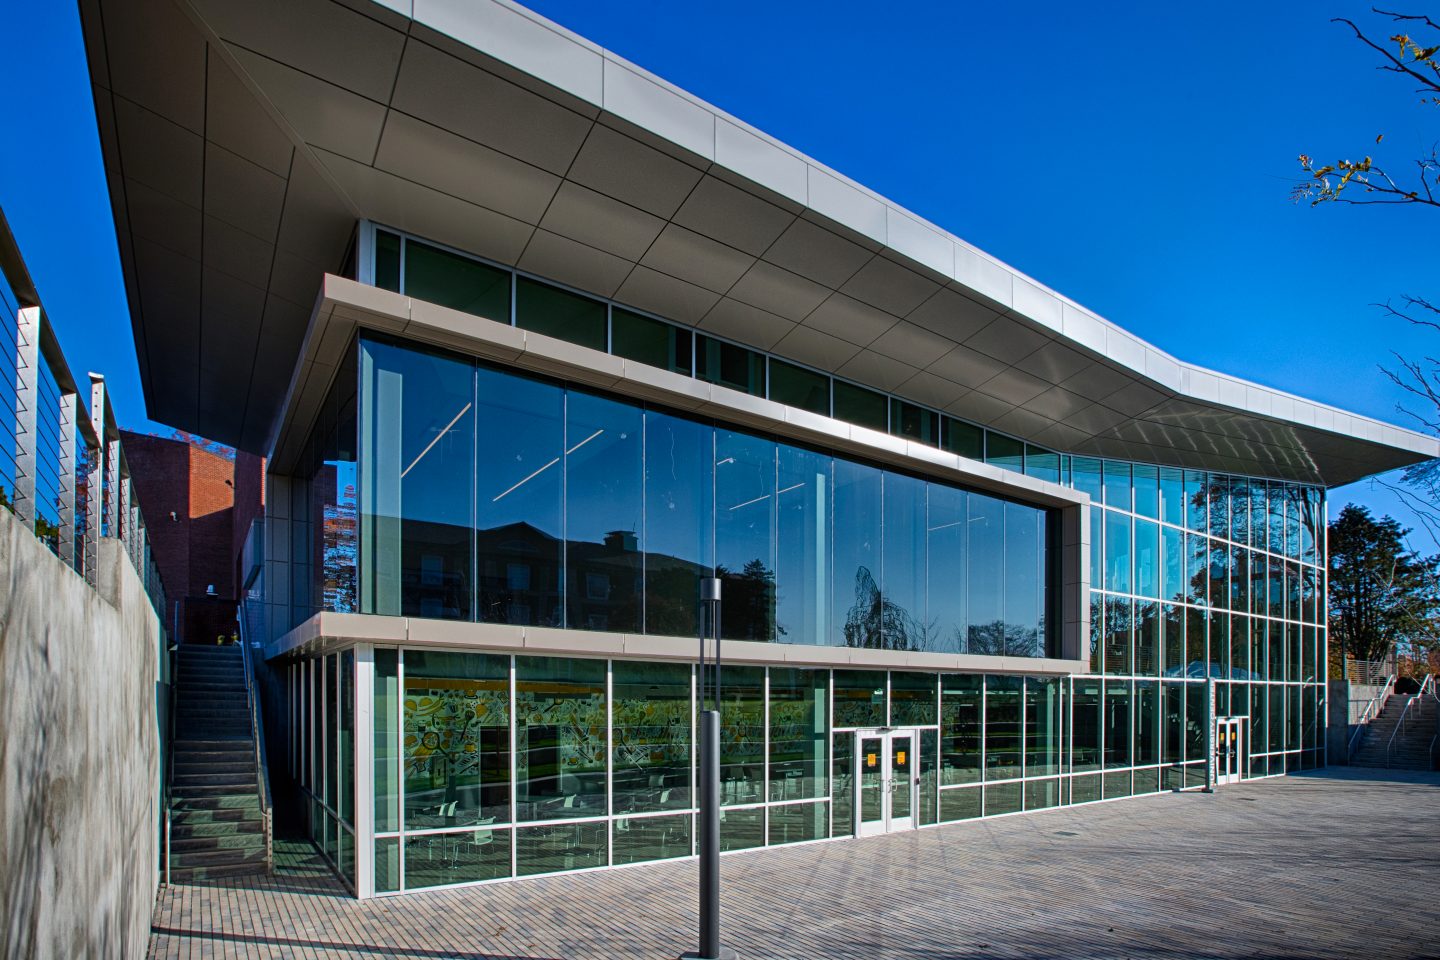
62	468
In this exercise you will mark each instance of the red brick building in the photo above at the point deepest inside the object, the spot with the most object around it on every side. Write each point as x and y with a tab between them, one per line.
199	505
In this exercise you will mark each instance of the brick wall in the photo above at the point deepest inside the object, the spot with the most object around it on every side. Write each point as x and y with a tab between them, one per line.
189	498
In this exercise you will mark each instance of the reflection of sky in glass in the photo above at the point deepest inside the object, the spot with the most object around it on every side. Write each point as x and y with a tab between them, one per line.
835	551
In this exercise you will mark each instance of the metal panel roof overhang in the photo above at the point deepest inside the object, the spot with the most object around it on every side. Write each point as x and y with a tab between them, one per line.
243	141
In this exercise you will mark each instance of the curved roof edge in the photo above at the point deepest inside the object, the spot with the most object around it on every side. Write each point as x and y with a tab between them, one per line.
563	59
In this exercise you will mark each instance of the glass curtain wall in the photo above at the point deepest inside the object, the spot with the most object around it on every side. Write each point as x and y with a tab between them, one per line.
488	495
322	754
488	766
1203	576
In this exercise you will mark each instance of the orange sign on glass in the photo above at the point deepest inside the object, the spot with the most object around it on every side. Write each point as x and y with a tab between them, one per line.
870	759
899	758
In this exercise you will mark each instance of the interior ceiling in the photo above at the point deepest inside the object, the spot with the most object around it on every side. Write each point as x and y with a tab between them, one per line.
243	142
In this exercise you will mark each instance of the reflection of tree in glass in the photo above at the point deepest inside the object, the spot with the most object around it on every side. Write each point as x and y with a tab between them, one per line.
747	604
998	639
876	622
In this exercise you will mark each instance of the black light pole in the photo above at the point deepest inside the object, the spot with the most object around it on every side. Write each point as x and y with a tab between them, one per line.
709	783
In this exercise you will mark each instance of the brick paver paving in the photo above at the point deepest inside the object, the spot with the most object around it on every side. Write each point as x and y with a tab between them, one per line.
1341	863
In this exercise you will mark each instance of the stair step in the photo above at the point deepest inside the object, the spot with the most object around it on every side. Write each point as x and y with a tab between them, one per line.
216	793
219	872
247	843
187	828
198	812
240	763
213	785
215	858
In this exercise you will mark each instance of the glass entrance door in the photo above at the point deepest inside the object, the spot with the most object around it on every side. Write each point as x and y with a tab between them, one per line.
885	786
1229	750
902	781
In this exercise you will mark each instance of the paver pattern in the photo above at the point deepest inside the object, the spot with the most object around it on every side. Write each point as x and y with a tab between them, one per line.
1338	863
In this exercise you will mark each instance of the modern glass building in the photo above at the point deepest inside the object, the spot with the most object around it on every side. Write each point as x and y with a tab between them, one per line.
534	342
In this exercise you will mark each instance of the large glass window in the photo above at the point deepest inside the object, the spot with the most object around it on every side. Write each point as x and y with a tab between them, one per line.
744	534
492	495
900	614
860	698
387	741
417	454
985	588
1117	551
560	740
1004	727
519	485
456	747
962	713
857	553
1147	722
652	731
603	514
799	730
912	699
1044	713
802	549
946	530
742	740
1117	723
1024	581
679	517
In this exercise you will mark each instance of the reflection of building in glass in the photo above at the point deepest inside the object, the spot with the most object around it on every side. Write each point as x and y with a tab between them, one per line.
982	551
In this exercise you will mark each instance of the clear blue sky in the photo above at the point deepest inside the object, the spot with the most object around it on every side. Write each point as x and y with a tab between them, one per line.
1138	160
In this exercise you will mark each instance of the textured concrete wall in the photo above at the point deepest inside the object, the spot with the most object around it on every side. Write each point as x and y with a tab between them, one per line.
79	754
1346	702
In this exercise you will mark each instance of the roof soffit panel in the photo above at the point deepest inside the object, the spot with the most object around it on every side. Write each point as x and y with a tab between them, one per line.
733	216
236	121
627	170
484	108
426	154
324	40
146	47
324	114
601	222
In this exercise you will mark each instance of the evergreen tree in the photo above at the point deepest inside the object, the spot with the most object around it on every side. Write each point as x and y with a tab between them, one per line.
1381	593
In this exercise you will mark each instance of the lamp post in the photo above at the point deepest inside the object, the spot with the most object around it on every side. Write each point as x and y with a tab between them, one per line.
709	783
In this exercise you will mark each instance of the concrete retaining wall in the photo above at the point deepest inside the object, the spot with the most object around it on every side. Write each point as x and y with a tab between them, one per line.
1346	702
79	754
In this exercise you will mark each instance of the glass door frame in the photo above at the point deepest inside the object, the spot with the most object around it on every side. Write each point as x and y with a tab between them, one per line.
1229	750
889	739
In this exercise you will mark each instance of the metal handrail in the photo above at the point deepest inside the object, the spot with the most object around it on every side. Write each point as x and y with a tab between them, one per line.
1365	717
1430	682
1400	725
257	727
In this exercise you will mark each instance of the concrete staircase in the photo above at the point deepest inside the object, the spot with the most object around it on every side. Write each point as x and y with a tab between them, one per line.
216	826
1411	749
